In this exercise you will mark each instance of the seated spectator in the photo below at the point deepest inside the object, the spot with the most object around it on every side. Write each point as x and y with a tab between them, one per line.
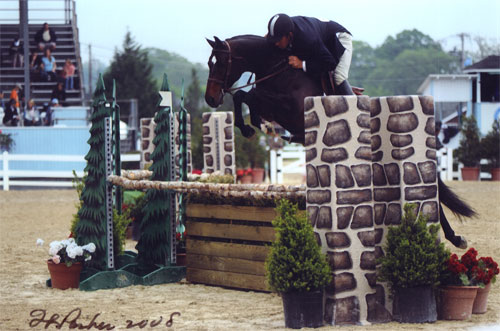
59	94
11	115
46	114
45	38
48	67
16	52
67	73
35	65
17	95
32	115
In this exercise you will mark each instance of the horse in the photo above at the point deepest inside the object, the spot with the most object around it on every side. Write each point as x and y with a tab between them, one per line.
279	94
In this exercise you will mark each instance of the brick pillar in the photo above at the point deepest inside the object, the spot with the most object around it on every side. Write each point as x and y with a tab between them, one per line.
218	143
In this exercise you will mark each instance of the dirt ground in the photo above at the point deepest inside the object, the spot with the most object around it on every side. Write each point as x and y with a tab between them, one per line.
28	215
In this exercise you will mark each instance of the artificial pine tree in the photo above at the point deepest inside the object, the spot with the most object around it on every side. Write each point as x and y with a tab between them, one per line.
154	243
92	214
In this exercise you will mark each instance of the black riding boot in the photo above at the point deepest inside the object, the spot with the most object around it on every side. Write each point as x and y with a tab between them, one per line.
343	89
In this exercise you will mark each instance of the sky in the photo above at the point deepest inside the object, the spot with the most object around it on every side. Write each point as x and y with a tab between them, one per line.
181	26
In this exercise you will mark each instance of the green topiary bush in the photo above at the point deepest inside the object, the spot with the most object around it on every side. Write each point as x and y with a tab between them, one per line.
469	150
413	255
295	262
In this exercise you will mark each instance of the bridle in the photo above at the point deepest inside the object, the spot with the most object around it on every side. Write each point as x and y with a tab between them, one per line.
227	89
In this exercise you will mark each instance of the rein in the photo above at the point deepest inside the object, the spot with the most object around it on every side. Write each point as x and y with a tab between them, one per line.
224	82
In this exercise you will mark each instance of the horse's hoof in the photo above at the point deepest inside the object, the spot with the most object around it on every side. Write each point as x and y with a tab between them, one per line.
463	243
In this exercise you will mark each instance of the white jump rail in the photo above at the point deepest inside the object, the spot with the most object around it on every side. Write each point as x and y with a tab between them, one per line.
7	174
288	153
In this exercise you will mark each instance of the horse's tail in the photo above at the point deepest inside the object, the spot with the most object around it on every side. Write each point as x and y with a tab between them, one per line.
453	202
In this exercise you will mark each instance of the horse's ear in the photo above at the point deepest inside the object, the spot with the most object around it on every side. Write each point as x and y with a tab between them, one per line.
218	42
210	42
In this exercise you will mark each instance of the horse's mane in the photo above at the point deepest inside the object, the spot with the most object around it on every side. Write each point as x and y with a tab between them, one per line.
257	48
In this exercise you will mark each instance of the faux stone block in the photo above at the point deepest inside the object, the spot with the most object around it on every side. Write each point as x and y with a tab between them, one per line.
363	217
427	104
228	146
377	313
430	208
310	138
228	132
228	160
339	260
337	240
308	104
346	310
400	103
318	238
376	142
353	197
363	121
206	129
402	123
343	177
420	193
311	154
319	197
428	171
334	106
324	175
311	120
377	157
378	175
311	176
324	220
371	277
370	238
375	107
401	140
364	153
209	160
393	214
387	194
363	103
342	282
344	215
402	154
430	126
334	155
392	173
380	209
365	137
431	154
337	132
375	125
368	261
312	212
362	174
410	174
430	142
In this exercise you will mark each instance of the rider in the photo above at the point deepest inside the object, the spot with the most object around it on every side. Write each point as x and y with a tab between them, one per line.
317	46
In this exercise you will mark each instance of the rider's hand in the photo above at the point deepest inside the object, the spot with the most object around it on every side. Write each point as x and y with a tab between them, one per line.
295	62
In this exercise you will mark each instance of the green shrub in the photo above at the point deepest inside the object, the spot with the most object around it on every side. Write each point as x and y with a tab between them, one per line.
469	150
295	262
490	145
413	255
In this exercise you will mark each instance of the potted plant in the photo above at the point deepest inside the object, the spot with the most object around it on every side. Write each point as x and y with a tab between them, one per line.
459	286
296	268
244	175
180	248
469	150
66	262
6	142
490	146
412	265
486	272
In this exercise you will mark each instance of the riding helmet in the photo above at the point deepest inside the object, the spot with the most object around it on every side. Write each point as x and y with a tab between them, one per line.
279	25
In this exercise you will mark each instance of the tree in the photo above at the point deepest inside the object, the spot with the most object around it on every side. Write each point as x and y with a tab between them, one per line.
133	74
92	214
405	40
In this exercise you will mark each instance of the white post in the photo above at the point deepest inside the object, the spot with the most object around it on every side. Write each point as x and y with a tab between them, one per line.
5	171
449	165
272	166
279	167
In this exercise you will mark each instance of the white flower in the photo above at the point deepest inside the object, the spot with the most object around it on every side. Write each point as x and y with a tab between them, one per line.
39	242
89	247
55	246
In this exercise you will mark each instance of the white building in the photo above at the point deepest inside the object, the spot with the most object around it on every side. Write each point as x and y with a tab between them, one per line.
476	91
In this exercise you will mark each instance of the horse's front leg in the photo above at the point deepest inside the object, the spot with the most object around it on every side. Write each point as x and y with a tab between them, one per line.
246	130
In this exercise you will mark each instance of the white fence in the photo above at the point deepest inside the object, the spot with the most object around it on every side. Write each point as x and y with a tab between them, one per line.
445	165
8	174
277	157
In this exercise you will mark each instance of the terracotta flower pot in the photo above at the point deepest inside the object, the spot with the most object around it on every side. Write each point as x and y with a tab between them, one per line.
246	179
63	277
481	301
470	173
455	302
495	174
257	175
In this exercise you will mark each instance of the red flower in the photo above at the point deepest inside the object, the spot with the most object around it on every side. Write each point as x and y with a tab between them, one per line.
469	259
196	172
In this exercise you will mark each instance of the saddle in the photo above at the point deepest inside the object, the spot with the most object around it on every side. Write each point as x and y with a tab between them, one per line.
329	87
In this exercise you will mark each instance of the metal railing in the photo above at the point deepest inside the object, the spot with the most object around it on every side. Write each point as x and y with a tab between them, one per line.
39	11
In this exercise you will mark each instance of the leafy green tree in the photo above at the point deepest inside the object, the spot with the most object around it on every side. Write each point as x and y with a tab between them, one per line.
405	40
133	74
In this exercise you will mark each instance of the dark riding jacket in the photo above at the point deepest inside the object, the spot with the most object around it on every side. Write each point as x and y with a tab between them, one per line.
316	43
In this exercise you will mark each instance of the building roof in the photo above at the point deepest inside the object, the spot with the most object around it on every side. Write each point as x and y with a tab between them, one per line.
429	78
488	64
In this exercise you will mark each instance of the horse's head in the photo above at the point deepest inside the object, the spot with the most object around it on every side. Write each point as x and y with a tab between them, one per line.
225	69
